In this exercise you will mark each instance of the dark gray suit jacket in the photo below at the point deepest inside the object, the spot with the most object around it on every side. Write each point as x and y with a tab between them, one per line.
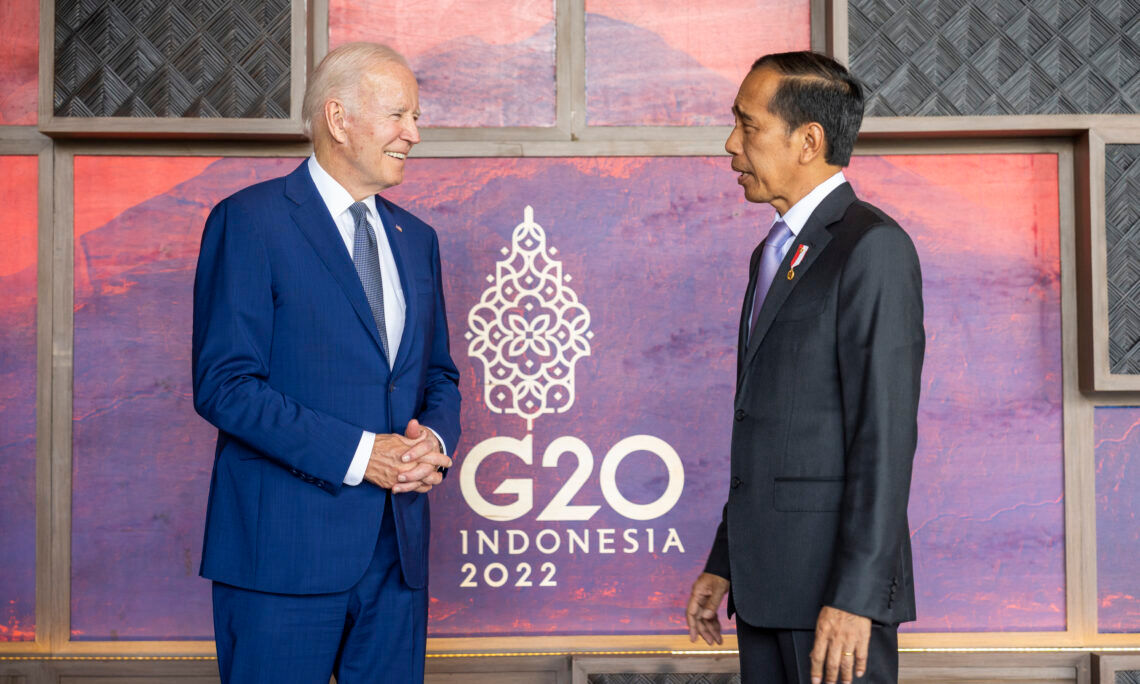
824	428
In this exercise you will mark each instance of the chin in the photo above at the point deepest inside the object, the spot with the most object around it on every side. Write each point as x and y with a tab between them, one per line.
392	179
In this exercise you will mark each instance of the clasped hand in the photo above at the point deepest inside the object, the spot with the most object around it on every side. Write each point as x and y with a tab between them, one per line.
408	462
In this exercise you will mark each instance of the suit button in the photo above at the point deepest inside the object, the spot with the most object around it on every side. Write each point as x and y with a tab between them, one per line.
392	388
739	415
736	482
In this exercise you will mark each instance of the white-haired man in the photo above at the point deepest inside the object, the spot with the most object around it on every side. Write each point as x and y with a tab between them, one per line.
321	354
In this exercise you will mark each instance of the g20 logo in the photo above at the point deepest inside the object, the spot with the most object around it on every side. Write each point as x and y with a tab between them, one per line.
561	506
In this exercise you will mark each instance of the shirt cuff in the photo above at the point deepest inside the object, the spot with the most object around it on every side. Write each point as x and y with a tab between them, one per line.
360	461
442	446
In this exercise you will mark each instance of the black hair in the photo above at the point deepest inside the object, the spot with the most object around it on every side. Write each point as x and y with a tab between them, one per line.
816	88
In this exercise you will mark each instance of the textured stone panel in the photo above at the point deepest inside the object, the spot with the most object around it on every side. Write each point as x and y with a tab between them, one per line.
1128	677
1122	241
206	58
976	57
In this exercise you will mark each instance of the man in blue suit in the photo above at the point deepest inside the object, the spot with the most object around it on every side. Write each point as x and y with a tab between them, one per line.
321	354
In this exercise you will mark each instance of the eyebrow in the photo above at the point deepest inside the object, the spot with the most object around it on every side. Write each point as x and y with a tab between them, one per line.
740	113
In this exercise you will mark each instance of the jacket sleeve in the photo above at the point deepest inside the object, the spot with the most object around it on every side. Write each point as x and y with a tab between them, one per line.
232	337
881	343
717	562
440	407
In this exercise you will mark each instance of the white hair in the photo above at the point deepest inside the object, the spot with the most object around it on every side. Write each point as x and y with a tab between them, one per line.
339	74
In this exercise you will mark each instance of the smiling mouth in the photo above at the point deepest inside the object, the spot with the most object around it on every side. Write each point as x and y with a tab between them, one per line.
397	155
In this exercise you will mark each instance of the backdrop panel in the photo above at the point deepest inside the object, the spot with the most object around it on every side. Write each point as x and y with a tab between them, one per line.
19	61
479	64
986	507
656	250
142	456
593	464
1117	518
678	63
18	212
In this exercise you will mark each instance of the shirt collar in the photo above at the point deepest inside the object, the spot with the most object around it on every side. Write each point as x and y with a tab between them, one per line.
801	211
336	198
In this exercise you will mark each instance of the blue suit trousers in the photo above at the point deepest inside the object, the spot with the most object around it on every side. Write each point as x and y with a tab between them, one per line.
373	633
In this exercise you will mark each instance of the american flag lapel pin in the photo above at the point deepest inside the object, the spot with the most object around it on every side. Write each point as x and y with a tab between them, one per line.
800	253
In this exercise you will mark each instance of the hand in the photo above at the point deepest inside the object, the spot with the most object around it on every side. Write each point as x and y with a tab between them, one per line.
426	458
838	632
385	465
704	600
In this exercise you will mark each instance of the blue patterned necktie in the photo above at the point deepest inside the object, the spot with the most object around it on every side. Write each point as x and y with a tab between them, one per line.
770	258
366	256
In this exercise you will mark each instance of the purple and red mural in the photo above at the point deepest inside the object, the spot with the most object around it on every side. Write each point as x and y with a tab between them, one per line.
489	63
986	507
1117	435
142	456
18	230
679	63
585	495
19	62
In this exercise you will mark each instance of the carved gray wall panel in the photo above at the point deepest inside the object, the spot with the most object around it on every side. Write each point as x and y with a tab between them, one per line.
977	57
1122	242
1127	677
148	58
672	678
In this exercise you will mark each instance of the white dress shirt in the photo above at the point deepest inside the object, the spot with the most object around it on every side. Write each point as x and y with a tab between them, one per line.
338	200
801	211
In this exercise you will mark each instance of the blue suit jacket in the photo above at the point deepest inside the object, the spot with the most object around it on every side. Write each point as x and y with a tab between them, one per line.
288	366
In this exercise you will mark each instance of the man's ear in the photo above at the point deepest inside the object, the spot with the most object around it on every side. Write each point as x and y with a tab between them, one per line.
814	142
335	116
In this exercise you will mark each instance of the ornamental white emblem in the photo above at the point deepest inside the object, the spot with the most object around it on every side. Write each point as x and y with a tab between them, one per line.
528	329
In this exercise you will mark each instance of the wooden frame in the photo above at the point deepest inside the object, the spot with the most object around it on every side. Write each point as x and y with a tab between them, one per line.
175	127
1054	667
1105	666
1096	370
1079	486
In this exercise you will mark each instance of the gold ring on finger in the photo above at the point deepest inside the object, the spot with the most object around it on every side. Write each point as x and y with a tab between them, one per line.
848	653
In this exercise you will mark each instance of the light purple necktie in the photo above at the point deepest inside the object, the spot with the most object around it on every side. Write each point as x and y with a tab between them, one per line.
775	246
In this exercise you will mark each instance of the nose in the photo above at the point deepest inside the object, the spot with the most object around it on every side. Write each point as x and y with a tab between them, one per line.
732	144
412	132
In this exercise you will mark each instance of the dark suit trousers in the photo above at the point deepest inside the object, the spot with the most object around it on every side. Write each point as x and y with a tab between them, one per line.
777	656
374	632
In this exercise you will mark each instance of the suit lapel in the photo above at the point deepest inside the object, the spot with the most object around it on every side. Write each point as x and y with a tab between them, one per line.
313	220
815	235
398	243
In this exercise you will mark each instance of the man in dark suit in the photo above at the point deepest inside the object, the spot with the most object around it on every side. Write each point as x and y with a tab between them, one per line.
814	540
321	354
